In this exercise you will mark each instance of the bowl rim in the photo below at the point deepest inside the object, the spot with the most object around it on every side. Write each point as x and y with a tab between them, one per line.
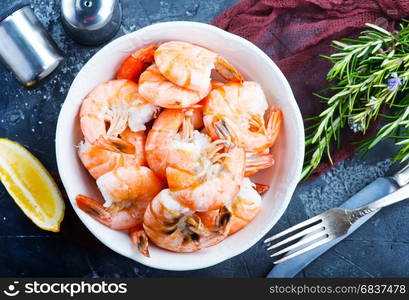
297	118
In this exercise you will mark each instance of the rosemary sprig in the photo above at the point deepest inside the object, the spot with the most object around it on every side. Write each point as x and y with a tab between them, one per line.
370	73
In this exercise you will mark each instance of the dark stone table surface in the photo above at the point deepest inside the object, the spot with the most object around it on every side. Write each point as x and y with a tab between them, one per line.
29	116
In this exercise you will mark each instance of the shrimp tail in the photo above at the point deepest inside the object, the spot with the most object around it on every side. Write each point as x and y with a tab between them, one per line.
227	70
136	63
261	188
94	208
140	239
115	144
274	119
256	162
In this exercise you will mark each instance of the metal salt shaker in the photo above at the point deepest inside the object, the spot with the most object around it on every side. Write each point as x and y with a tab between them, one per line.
25	46
91	22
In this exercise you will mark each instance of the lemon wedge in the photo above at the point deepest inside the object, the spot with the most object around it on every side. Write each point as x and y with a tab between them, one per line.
31	186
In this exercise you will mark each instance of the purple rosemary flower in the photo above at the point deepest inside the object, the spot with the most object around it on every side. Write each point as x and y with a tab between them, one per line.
355	126
394	82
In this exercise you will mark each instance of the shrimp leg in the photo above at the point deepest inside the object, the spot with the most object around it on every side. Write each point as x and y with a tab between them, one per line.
115	144
274	120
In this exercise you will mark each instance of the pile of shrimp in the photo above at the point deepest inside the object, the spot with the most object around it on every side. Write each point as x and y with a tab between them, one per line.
172	149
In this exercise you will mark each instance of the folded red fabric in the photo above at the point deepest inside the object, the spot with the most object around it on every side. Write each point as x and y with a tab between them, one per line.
295	32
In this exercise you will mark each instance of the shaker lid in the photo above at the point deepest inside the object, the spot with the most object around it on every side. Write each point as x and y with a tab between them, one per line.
9	9
87	14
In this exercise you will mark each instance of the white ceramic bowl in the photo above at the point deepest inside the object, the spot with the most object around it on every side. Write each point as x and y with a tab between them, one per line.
254	65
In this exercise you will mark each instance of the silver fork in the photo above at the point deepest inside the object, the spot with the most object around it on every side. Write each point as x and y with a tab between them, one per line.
328	226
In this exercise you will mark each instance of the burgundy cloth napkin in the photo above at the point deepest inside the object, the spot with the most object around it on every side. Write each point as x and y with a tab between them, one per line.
295	32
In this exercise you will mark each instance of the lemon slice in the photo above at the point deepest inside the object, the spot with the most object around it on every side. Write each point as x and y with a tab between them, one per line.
31	186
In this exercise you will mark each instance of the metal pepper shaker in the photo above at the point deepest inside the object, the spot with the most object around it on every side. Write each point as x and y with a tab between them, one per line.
91	22
25	46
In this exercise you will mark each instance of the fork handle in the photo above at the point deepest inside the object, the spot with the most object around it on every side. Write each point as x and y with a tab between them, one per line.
397	196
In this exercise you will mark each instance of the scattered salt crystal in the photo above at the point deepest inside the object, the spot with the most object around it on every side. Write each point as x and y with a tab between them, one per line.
340	183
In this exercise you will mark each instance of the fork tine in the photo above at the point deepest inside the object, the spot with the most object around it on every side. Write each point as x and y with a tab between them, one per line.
295	227
297	235
300	243
301	251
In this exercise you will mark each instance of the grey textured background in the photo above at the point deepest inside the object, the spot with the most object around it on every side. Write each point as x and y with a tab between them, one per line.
29	116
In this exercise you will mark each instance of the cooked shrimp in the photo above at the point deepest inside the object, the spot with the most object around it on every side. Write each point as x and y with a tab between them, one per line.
109	153
129	186
159	91
136	63
127	192
118	103
164	130
189	66
244	207
238	109
203	175
176	228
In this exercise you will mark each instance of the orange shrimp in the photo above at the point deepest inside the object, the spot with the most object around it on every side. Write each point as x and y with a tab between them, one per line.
159	91
238	109
176	228
244	207
181	75
127	192
136	63
118	103
190	66
164	130
203	175
109	153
